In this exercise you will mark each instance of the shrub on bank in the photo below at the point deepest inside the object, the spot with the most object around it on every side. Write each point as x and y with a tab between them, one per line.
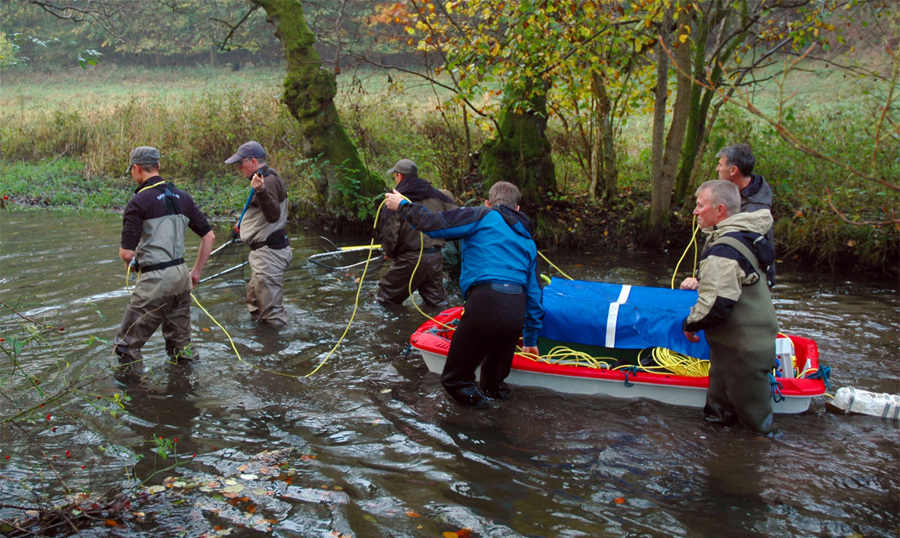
196	129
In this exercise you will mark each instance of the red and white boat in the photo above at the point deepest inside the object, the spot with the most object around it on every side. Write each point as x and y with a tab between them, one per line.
623	322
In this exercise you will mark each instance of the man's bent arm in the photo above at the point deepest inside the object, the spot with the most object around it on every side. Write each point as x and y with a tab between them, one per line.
206	244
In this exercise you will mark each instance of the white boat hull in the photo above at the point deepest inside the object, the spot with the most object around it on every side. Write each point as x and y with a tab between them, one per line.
670	394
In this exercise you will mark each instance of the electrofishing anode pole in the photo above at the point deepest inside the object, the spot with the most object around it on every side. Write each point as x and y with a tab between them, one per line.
234	234
246	205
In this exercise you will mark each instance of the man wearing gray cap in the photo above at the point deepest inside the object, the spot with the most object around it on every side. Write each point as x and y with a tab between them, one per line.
155	222
263	230
402	243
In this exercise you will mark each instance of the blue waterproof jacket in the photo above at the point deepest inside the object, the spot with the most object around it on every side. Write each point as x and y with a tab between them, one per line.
496	246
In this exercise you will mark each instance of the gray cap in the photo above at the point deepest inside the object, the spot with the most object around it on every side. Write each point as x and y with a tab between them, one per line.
404	166
248	150
142	155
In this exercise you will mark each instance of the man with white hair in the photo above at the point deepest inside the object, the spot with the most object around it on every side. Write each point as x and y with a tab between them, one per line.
734	308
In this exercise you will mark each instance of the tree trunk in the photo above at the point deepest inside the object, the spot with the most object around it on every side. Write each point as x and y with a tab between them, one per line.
344	185
595	167
659	115
661	196
696	115
604	173
521	153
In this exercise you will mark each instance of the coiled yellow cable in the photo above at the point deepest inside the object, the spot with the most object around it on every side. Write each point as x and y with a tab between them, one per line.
667	361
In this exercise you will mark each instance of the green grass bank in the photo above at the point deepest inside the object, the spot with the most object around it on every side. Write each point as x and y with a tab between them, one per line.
65	138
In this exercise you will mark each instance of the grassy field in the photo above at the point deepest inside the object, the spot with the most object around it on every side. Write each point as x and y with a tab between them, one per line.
65	137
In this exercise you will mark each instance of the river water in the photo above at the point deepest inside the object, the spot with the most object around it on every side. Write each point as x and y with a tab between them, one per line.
376	447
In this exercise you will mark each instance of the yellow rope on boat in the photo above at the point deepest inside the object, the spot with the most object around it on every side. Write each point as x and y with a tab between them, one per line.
677	363
667	361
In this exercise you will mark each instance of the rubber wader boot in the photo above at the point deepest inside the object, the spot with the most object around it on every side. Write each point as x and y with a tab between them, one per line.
469	395
498	392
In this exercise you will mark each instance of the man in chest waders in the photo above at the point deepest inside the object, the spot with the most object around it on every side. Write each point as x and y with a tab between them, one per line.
154	225
262	228
734	308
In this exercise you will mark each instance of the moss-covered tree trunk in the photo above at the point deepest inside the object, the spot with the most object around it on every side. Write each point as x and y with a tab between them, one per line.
345	186
521	152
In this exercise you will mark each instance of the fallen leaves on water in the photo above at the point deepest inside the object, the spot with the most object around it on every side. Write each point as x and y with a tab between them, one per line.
413	513
620	500
205	329
461	533
111	523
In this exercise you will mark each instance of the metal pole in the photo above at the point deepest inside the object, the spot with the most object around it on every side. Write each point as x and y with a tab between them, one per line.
220	273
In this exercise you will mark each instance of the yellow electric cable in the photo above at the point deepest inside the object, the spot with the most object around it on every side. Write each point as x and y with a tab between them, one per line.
667	361
564	356
541	254
678	363
363	278
691	243
128	276
235	347
151	186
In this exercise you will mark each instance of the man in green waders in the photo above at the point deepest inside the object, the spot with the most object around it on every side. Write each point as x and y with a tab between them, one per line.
735	308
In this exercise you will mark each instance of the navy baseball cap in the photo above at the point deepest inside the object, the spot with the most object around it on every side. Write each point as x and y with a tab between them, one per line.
248	150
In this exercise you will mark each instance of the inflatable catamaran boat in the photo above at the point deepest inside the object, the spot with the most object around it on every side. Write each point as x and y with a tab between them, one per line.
626	342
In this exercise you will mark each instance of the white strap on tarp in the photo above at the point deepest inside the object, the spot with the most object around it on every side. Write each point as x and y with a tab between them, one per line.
612	317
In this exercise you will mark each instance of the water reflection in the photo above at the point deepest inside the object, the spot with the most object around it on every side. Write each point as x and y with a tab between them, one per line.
374	430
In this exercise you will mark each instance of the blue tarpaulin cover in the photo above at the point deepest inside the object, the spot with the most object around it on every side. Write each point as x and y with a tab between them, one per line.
619	316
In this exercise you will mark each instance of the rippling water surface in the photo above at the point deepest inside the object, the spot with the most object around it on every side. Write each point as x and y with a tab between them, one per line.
378	449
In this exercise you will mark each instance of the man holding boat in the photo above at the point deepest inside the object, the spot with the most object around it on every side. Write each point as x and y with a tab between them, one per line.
735	164
262	228
154	225
499	282
734	308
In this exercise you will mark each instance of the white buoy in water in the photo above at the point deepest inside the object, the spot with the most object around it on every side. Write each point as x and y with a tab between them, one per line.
851	400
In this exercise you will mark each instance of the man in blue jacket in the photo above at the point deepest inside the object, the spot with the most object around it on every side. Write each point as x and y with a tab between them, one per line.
499	282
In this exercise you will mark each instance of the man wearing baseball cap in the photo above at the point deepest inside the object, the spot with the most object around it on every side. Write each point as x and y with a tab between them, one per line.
262	228
403	244
155	222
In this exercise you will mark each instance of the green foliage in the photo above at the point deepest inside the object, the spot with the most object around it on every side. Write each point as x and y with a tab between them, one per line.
164	447
218	110
807	226
8	52
71	32
61	183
